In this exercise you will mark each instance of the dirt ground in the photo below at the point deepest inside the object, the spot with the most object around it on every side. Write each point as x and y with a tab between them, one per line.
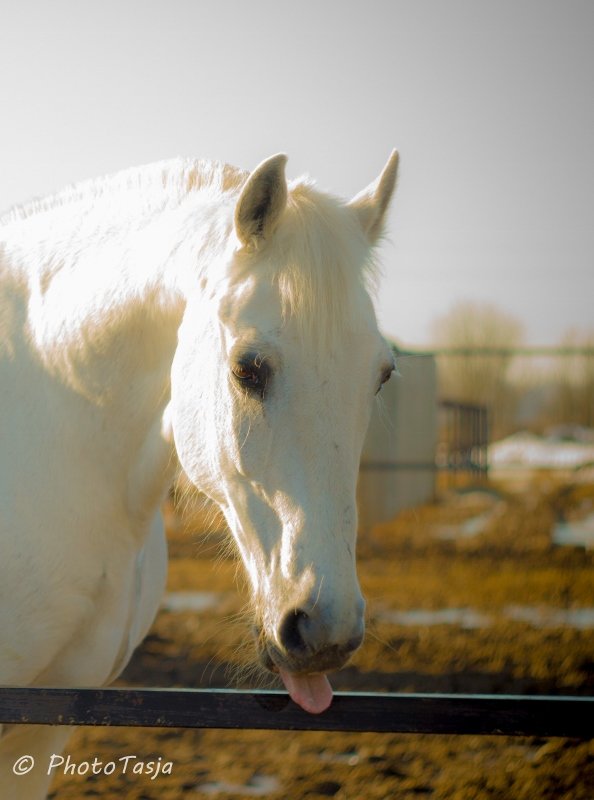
510	604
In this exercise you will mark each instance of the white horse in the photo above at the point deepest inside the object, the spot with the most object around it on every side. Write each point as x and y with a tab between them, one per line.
194	306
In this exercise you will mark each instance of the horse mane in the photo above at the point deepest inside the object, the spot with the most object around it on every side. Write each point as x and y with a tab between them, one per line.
158	185
319	257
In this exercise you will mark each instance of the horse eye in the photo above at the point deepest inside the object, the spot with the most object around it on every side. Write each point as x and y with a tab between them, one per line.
242	372
251	375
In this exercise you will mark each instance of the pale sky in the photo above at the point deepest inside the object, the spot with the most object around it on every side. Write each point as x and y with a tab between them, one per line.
491	105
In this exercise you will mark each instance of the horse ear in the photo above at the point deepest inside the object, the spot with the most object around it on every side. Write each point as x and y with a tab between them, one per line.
262	201
372	203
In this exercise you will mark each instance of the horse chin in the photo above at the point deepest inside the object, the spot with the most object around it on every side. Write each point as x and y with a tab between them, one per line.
266	659
273	660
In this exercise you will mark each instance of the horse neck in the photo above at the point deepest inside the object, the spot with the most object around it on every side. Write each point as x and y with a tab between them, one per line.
92	331
105	324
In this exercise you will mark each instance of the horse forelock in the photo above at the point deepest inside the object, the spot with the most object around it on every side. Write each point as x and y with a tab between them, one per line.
321	263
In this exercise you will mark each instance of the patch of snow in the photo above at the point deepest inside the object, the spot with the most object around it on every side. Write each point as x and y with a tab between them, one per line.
465	530
471	618
542	617
575	532
468	618
258	786
529	450
189	601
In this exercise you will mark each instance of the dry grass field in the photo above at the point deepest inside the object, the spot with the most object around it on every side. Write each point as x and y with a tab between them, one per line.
469	594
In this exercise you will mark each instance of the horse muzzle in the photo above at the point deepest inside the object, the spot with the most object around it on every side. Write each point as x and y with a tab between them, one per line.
310	641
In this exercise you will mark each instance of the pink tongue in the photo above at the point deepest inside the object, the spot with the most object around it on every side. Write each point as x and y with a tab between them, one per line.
312	692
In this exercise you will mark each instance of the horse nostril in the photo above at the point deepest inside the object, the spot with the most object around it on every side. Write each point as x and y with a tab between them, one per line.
354	643
310	642
290	632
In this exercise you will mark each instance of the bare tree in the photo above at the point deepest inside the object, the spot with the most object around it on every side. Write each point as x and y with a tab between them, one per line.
573	401
474	377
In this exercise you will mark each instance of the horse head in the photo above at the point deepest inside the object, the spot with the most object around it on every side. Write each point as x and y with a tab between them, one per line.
278	362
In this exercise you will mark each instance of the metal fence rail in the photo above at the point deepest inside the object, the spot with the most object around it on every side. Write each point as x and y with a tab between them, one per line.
510	715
